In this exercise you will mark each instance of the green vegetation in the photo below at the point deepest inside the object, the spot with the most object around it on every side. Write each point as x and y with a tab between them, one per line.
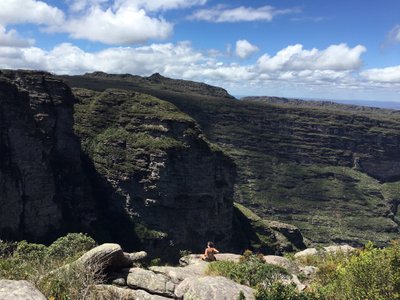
44	266
370	273
251	270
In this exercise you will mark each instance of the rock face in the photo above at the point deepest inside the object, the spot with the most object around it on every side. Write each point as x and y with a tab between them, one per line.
157	169
19	290
43	187
332	171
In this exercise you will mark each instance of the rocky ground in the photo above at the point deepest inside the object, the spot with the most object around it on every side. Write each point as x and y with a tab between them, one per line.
125	278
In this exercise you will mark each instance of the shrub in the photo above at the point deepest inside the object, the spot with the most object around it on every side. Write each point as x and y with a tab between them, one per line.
251	270
71	245
372	274
31	252
279	291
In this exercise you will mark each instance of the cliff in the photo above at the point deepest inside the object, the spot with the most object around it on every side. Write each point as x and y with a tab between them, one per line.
332	171
173	188
43	189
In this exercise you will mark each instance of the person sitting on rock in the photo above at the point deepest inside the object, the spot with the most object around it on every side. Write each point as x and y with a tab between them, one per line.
209	253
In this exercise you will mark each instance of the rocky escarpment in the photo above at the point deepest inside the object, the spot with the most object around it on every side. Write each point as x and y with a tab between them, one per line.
159	174
43	189
331	171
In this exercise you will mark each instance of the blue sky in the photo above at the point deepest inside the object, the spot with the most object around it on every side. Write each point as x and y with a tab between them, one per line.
293	48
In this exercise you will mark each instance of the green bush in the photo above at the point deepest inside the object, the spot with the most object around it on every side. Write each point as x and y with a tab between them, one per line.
71	245
372	274
279	291
251	270
45	267
31	252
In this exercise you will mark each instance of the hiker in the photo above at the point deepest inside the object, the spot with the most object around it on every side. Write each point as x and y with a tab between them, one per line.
209	253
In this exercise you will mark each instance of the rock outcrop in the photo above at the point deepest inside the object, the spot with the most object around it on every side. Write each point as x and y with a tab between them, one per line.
43	189
19	290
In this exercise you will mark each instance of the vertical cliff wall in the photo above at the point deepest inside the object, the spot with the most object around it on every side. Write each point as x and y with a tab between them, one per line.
43	189
156	169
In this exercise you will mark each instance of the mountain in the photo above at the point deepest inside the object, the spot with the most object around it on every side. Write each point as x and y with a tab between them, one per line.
331	170
121	165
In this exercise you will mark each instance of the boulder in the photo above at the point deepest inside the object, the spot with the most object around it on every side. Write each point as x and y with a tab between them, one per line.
106	256
212	288
306	252
178	274
106	292
137	256
283	262
19	290
339	249
291	233
151	282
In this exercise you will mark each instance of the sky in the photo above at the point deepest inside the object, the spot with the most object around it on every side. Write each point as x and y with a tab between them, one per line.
317	49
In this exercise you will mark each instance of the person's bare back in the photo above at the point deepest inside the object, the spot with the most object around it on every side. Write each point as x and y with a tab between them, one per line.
209	253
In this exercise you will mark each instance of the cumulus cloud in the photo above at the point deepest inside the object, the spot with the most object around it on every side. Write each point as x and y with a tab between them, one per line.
123	25
244	49
29	11
11	38
389	74
181	60
335	57
222	14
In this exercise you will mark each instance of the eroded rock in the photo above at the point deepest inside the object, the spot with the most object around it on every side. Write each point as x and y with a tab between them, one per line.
19	290
151	282
212	288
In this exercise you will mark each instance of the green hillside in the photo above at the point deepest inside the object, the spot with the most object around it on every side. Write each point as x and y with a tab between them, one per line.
332	171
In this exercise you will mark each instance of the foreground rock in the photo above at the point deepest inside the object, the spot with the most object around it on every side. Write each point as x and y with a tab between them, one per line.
19	290
212	288
283	262
107	292
151	282
104	257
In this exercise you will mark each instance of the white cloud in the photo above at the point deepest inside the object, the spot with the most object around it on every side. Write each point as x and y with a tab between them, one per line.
394	34
148	5
245	49
221	14
29	11
181	60
11	38
335	57
155	5
124	25
389	74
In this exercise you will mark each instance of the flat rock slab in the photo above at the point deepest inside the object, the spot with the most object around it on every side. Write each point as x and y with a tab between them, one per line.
283	262
19	290
306	252
178	274
339	249
151	282
107	292
212	288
